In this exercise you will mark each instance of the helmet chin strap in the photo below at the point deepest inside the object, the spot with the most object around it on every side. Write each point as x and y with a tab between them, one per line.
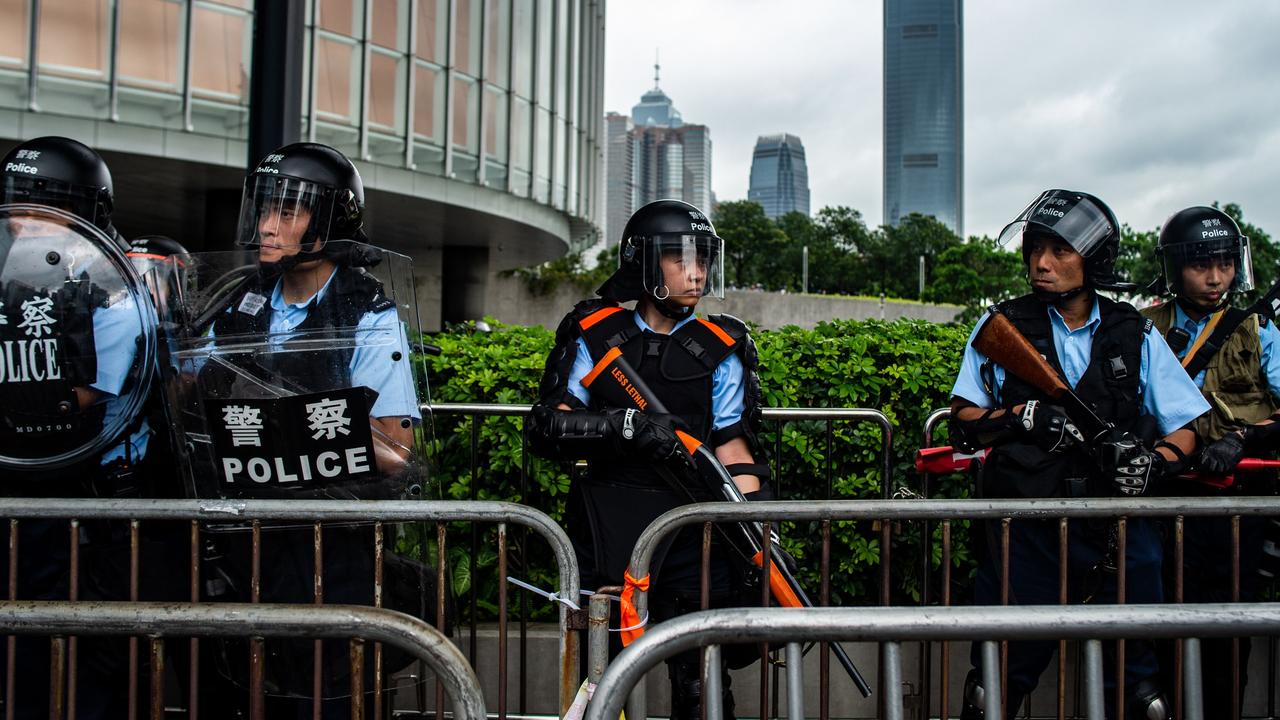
668	309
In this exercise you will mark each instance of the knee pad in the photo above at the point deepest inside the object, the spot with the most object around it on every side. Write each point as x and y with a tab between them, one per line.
1147	702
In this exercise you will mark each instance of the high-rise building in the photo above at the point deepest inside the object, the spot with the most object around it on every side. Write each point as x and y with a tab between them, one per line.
652	155
924	110
779	175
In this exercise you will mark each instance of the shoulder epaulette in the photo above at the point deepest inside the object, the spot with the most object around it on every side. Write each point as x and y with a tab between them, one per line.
1148	325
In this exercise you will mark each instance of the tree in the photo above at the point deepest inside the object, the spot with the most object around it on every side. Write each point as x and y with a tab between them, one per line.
1136	261
975	275
894	254
750	237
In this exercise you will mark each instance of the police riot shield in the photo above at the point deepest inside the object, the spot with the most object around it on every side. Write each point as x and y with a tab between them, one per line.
295	382
77	341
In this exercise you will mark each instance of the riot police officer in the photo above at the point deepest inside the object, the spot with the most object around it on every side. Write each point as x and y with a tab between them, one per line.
702	370
79	344
1234	358
294	380
1114	361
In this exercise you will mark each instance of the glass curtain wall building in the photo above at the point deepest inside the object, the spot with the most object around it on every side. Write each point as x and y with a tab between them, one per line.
779	175
924	110
476	124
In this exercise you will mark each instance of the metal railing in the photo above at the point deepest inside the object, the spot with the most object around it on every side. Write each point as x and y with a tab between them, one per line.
157	621
316	514
892	626
942	511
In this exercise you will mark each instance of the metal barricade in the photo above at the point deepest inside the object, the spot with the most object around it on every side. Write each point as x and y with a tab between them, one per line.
943	511
317	514
157	621
892	626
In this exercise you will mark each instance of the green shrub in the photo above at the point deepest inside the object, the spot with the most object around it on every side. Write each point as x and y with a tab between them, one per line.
904	369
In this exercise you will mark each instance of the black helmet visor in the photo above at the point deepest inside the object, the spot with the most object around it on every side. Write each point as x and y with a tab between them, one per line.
79	200
1077	219
285	213
684	265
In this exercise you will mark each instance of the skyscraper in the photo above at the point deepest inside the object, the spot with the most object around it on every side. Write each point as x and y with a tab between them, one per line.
924	110
652	155
779	175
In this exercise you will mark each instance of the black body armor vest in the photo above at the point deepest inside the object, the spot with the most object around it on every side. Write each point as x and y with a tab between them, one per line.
351	293
1109	385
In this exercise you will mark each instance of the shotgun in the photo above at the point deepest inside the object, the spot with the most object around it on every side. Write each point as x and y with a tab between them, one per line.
1000	340
620	385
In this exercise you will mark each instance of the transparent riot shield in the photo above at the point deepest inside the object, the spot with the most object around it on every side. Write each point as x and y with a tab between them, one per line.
77	341
296	382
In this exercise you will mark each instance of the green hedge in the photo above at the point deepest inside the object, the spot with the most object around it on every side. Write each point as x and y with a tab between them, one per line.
904	369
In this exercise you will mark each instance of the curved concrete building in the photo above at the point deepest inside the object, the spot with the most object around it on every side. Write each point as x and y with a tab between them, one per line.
476	124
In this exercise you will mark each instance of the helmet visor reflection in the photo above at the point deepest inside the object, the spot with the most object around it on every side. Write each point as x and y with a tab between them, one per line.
685	266
1076	219
284	214
78	200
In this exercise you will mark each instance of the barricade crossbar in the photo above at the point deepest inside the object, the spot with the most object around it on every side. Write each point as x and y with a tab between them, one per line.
159	620
894	625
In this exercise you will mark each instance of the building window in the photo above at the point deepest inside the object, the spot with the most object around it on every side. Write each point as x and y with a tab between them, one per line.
221	44
390	26
495	123
466	37
150	41
433	16
920	160
497	44
465	115
337	65
428	103
522	47
74	35
386	86
919	31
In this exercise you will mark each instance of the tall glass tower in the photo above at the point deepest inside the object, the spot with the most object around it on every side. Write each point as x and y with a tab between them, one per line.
924	110
779	175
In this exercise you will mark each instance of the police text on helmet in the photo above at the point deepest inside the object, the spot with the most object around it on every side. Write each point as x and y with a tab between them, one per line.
1219	232
22	168
702	227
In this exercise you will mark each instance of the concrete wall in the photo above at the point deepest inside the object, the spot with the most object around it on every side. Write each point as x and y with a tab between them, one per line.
509	301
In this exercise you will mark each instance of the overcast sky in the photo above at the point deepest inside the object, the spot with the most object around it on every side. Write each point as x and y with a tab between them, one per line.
1152	106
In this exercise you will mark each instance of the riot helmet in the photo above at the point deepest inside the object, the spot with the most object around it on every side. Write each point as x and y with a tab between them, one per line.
1199	234
61	173
297	201
161	262
1083	222
669	249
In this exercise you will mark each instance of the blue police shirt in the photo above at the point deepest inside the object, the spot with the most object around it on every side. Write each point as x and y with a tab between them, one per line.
727	390
1268	335
1167	393
371	363
115	336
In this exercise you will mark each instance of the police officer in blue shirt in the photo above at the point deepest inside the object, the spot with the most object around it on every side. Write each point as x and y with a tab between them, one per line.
64	266
1235	358
1117	363
316	319
703	371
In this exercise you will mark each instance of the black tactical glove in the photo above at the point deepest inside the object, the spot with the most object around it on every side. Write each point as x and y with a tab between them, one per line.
1222	456
1132	468
1049	427
652	435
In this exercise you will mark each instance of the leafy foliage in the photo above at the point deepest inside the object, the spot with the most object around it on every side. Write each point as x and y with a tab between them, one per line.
904	369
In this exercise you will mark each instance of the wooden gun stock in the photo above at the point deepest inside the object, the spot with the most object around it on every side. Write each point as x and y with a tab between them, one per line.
1000	340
